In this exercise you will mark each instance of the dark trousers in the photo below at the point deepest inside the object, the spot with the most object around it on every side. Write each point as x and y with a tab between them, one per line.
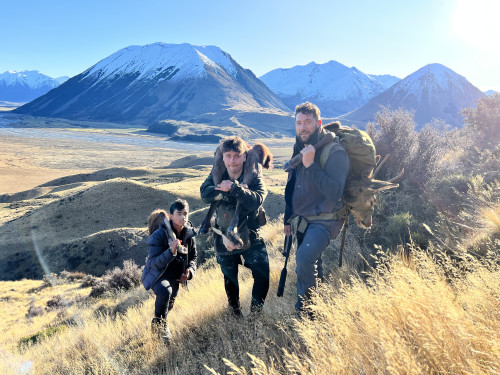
308	257
166	291
257	261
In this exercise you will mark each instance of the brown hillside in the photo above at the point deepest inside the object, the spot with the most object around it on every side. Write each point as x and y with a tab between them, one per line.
80	223
71	221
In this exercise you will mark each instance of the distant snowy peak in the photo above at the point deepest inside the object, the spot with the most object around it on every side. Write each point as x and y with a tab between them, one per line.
490	92
61	80
432	77
331	80
26	85
386	80
30	78
173	61
334	87
433	91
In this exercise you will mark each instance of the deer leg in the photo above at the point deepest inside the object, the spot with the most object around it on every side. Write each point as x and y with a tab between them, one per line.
205	226
232	230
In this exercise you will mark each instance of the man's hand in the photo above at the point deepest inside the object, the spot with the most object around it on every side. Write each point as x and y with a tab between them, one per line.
308	153
224	185
173	246
185	276
230	246
287	229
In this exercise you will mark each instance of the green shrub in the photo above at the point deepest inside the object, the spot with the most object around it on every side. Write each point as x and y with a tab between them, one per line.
398	228
41	335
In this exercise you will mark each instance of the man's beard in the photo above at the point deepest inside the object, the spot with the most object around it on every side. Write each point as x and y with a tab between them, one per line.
305	141
311	140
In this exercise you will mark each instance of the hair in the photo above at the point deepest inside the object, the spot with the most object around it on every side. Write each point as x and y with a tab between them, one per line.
155	219
308	108
179	205
234	143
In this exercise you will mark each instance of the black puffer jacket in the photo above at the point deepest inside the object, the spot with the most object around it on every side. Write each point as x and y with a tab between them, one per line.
162	264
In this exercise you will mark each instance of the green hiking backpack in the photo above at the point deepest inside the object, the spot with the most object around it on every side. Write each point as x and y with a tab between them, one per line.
358	146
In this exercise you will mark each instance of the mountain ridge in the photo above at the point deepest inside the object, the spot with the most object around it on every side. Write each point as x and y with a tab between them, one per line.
26	85
433	91
334	87
159	81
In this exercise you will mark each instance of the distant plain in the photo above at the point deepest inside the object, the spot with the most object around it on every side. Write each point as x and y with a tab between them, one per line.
81	191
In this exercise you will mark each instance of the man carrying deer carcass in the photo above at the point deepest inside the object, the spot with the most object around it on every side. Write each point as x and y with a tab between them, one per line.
239	188
313	194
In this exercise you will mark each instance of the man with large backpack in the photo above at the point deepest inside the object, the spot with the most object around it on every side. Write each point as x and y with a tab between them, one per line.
315	210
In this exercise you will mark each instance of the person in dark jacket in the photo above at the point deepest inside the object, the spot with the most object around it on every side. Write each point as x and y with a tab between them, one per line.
313	197
166	265
253	251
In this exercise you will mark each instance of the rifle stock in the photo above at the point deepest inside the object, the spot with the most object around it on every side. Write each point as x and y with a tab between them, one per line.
286	251
297	159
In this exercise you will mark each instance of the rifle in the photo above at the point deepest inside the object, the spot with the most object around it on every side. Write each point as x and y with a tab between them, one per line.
186	264
180	248
286	252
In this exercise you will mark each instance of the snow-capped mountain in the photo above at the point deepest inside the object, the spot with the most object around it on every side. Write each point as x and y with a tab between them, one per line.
490	92
144	84
386	80
334	87
433	91
26	85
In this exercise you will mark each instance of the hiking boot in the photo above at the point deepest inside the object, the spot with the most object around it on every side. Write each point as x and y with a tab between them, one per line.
236	311
156	327
167	335
256	308
160	329
304	315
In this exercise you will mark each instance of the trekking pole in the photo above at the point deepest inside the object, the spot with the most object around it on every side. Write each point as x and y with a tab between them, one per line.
286	251
342	244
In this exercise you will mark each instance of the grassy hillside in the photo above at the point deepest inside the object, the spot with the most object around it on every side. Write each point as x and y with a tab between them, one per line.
418	293
409	318
410	315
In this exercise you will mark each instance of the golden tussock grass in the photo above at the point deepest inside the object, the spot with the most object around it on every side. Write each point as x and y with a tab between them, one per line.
204	332
408	317
409	320
490	216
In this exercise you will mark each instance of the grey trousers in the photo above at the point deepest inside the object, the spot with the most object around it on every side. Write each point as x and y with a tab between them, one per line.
314	242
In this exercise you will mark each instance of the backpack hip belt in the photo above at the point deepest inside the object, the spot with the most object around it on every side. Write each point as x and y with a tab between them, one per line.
340	214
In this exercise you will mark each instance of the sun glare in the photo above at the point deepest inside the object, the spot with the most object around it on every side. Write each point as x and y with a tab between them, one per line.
476	23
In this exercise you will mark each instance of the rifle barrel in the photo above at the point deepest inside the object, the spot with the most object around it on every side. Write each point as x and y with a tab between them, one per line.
286	252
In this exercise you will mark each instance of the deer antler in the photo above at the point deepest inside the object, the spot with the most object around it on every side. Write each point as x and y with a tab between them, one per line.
380	165
398	176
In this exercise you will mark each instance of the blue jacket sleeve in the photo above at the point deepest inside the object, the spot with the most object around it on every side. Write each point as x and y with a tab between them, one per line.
330	180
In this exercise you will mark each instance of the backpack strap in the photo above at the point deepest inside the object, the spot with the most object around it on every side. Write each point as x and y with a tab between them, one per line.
323	157
325	151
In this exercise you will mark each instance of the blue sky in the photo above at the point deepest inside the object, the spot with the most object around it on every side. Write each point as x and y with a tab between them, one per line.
378	37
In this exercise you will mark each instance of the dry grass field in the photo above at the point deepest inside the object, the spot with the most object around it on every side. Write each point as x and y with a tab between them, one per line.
77	199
